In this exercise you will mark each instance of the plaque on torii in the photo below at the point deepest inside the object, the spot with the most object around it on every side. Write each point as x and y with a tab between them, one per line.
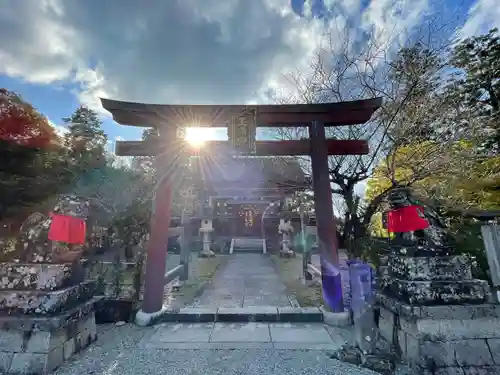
242	131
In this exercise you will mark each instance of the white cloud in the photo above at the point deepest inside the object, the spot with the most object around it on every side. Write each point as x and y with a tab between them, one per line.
483	16
180	51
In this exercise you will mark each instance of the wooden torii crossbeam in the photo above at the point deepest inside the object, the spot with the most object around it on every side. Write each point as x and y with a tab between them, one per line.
263	148
243	120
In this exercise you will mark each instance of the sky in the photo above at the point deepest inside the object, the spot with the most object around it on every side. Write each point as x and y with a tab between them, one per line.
59	54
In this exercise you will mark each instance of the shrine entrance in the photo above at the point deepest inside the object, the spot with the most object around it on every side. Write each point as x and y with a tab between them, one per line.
250	218
242	122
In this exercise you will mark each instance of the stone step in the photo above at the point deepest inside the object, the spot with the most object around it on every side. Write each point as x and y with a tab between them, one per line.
241	249
264	314
248	245
45	303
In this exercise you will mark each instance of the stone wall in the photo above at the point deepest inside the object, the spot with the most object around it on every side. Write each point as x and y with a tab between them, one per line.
444	340
38	345
46	315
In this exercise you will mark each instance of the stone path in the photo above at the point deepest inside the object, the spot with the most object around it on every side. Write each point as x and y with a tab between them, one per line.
247	280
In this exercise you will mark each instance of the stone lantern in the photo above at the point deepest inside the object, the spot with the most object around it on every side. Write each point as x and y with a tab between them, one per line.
206	229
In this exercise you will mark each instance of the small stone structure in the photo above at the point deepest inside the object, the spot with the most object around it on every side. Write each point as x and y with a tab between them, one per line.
46	308
435	315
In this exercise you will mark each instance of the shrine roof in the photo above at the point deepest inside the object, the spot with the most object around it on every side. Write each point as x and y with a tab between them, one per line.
159	115
251	173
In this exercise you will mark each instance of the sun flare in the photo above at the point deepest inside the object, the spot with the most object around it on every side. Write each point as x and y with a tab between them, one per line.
198	136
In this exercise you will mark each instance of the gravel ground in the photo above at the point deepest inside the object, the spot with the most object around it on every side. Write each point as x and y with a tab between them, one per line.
117	353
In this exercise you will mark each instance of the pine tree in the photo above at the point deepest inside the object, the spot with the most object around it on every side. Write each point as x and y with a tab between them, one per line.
478	85
86	139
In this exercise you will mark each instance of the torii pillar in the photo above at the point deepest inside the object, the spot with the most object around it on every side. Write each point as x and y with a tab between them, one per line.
154	279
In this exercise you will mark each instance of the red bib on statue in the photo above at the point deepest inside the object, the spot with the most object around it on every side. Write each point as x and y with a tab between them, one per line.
67	229
406	219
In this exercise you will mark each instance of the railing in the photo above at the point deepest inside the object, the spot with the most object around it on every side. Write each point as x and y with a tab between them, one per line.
182	270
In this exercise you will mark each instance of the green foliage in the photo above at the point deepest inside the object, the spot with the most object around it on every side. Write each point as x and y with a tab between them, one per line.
86	140
477	83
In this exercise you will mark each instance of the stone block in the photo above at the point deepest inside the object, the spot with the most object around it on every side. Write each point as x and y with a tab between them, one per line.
44	341
190	315
460	312
69	349
67	320
451	268
303	333
441	354
445	371
248	314
482	370
439	292
386	328
87	326
5	361
86	334
183	333
240	332
494	345
38	302
36	363
472	353
39	276
412	348
11	340
448	329
341	319
300	314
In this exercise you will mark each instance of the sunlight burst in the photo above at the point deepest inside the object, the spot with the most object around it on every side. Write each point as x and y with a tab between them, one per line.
198	136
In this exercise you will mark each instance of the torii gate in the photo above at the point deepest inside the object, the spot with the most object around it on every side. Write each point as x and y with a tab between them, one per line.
242	122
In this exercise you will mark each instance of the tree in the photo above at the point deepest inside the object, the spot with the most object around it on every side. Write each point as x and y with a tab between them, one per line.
22	125
33	167
409	84
476	83
86	139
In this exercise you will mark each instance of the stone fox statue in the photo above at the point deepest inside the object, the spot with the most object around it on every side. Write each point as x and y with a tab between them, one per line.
415	223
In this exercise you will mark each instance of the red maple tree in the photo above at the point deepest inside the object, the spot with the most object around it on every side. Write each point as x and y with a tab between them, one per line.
21	124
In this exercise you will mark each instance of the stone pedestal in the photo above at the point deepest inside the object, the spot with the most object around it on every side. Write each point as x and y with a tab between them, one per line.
437	317
45	316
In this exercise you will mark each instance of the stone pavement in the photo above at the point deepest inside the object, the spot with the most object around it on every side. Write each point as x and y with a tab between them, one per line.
303	336
247	280
128	350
